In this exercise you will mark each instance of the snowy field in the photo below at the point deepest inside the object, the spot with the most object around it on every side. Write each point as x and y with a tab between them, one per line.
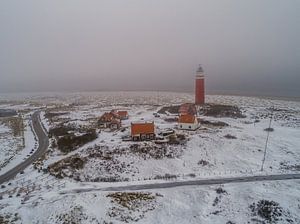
207	153
13	147
217	204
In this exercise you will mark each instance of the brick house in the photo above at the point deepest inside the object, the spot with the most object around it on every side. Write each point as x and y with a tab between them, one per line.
109	120
142	131
188	122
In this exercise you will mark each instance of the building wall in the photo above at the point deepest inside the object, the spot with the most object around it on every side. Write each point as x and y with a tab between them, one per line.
143	137
186	126
199	91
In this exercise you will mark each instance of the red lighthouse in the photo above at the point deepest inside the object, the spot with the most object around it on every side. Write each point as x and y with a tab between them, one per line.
199	90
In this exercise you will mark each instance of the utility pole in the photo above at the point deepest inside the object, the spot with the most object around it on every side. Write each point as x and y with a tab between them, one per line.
266	145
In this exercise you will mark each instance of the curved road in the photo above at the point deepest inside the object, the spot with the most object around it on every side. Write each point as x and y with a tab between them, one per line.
43	141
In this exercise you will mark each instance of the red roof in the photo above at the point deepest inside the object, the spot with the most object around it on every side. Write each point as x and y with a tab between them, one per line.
142	128
187	118
187	108
107	117
122	113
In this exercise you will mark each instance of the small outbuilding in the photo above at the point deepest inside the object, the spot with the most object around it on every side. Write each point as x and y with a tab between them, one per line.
188	122
142	131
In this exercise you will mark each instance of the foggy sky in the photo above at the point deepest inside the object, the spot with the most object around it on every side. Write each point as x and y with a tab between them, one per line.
244	46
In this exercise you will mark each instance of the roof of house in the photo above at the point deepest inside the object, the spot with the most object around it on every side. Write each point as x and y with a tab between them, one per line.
142	128
122	113
107	116
187	118
187	108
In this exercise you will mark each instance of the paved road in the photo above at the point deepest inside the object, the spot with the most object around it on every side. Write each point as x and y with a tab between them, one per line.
190	183
43	145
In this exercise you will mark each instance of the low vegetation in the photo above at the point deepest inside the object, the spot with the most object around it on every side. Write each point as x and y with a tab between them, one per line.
70	142
217	124
60	130
269	211
292	167
9	218
218	110
220	190
131	206
269	129
64	167
16	124
67	140
169	109
153	151
165	177
229	136
75	215
51	115
177	139
212	110
203	162
106	167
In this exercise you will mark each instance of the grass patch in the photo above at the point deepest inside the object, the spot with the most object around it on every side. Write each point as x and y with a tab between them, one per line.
270	211
229	136
71	142
169	109
131	206
218	110
218	124
65	167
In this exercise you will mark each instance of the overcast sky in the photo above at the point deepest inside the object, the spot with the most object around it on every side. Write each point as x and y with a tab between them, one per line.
244	46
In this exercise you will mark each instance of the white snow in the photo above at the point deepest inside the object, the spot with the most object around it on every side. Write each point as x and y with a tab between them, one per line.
20	155
225	157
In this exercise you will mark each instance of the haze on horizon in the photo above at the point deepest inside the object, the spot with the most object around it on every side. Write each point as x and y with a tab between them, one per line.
74	45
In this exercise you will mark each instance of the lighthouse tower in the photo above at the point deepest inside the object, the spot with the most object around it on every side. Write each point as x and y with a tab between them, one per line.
199	90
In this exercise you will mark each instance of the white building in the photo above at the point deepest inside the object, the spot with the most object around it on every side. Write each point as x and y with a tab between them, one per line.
188	122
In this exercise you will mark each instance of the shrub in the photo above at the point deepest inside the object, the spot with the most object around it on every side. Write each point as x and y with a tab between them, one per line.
60	131
229	136
268	210
217	110
70	142
269	129
203	162
220	190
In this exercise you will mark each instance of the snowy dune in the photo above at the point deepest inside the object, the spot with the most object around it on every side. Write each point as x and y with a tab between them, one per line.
207	153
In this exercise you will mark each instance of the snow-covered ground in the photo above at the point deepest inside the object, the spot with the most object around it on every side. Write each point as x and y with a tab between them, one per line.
203	204
12	150
207	153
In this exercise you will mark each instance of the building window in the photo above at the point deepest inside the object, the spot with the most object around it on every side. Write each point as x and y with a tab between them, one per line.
180	126
190	127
